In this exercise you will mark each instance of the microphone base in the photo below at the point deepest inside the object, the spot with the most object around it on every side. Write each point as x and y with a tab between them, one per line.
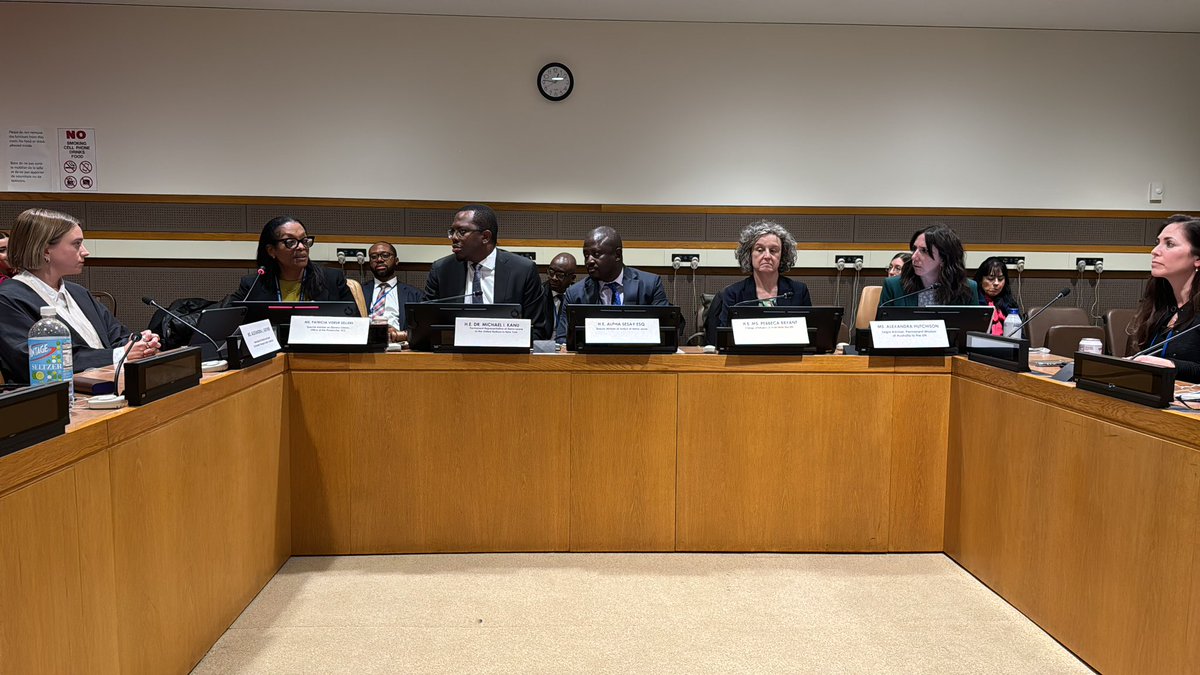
106	402
214	366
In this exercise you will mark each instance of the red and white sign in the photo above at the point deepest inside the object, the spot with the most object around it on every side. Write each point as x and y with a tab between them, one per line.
77	151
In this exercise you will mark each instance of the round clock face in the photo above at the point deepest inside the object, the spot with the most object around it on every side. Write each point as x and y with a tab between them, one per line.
555	81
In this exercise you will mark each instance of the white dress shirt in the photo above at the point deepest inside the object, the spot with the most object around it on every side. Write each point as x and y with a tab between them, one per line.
487	279
391	302
68	310
606	297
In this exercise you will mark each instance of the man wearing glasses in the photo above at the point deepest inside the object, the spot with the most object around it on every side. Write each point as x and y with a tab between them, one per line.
386	294
478	272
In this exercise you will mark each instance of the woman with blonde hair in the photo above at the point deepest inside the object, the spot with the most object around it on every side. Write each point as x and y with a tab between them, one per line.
45	247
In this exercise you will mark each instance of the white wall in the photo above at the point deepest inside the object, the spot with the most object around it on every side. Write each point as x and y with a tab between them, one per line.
385	106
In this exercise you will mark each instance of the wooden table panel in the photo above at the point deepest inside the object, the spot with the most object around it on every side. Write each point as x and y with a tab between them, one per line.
468	463
1087	527
200	526
783	462
920	418
325	421
623	462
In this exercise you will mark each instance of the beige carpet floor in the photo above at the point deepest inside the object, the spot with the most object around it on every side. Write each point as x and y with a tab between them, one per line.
620	613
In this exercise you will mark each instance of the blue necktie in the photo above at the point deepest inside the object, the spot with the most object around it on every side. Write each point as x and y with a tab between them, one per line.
613	288
476	288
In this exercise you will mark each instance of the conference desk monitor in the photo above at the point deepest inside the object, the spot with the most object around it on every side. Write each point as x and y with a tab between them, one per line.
280	315
670	321
823	326
431	325
960	320
30	415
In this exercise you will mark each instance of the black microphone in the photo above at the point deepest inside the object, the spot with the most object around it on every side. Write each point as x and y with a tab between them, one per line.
751	302
936	285
134	338
258	275
448	299
1061	294
173	315
1151	348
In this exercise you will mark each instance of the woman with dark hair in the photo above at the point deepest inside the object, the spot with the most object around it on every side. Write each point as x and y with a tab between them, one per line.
992	279
896	266
935	275
766	250
1169	305
287	276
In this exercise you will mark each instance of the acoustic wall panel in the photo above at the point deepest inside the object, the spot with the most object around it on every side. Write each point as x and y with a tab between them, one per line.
728	227
332	220
134	217
10	210
1075	231
971	229
634	226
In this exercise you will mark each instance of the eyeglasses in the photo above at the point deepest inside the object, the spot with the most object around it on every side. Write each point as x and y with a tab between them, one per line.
386	255
290	243
459	232
554	274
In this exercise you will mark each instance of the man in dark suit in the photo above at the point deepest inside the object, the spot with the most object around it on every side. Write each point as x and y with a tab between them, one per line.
609	281
485	274
559	277
385	294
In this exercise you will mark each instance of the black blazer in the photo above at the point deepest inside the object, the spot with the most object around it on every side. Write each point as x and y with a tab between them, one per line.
267	287
1184	350
517	282
640	288
20	308
404	293
744	290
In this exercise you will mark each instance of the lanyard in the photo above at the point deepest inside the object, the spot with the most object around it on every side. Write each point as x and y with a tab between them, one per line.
279	290
1166	344
378	304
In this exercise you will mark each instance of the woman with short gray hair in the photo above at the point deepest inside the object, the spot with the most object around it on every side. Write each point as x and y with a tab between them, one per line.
765	251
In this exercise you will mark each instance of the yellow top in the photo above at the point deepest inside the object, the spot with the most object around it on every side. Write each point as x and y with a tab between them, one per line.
289	291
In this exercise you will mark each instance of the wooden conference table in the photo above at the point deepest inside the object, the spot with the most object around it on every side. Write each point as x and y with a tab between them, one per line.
131	543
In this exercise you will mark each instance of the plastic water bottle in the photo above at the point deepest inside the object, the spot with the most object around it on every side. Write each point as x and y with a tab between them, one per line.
1012	324
50	352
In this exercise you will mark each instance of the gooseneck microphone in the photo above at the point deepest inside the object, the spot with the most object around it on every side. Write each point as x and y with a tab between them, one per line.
936	285
751	302
134	338
1061	294
210	366
258	275
448	298
1151	348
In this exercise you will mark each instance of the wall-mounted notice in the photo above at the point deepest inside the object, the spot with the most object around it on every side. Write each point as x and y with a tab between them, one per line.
28	158
77	160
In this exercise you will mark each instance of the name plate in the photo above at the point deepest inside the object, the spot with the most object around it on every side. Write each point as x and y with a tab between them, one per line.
621	331
921	334
259	338
784	330
489	332
328	330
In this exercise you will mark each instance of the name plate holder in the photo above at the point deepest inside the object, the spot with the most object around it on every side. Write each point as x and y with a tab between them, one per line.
910	338
160	376
30	415
492	335
1143	383
377	340
1000	352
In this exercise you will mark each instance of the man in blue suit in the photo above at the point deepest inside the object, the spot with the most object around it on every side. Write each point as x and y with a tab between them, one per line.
609	281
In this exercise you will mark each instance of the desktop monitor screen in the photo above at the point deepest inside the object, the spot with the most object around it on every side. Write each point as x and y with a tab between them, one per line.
960	319
670	321
824	323
431	324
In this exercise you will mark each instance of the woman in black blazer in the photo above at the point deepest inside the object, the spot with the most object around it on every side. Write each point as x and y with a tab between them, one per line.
46	247
285	273
1171	303
765	251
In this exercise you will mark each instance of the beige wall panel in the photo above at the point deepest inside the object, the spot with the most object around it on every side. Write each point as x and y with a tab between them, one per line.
783	463
920	417
467	463
1086	527
623	462
199	526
